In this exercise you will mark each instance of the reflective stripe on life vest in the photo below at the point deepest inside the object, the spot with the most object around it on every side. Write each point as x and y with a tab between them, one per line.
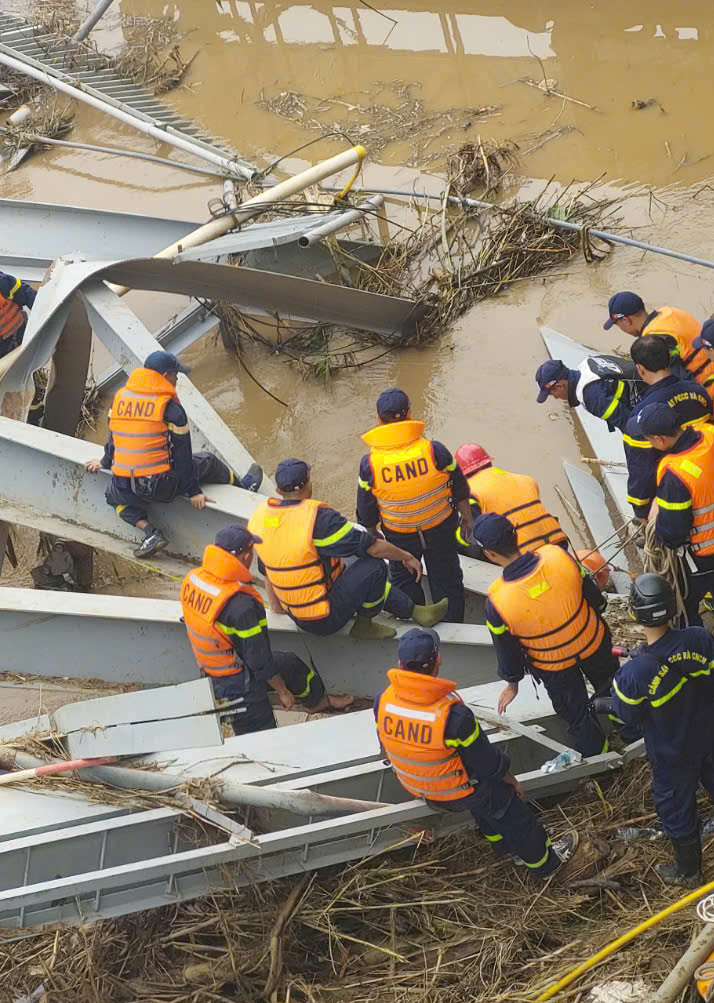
12	316
139	431
518	498
300	578
411	492
548	613
204	593
695	468
411	721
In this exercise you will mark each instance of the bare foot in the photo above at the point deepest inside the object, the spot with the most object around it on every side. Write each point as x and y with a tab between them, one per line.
334	702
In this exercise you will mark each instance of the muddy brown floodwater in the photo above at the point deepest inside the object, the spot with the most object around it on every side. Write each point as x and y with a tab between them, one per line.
476	383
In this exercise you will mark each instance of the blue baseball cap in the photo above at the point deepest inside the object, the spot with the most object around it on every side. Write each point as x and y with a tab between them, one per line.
291	475
164	362
393	405
418	647
622	305
658	419
492	531
706	335
235	538
549	374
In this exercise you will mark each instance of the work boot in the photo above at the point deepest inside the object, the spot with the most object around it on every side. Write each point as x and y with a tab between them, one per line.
686	870
253	479
366	629
565	849
154	540
427	616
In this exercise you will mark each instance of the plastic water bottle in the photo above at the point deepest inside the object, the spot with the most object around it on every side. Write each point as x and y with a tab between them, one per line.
561	762
639	833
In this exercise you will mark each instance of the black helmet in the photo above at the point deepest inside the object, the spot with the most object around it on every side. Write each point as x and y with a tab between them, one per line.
652	600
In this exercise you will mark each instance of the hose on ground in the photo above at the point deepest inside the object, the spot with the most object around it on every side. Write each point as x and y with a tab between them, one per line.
615	945
660	560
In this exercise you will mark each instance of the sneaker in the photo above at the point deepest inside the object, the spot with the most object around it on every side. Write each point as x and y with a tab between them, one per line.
565	848
154	540
253	479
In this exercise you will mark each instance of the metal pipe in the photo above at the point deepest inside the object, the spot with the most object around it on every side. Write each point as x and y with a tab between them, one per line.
557	223
127	153
305	802
277	193
312	236
86	26
681	975
148	128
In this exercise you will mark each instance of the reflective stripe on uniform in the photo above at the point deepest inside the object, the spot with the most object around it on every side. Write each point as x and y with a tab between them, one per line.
492	839
637	443
363	484
668	696
248	632
306	691
614	402
14	289
631	700
674	506
639	501
496	630
335	537
382	598
543	859
464	742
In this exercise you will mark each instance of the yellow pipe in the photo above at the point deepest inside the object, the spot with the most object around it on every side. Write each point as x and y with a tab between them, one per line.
615	945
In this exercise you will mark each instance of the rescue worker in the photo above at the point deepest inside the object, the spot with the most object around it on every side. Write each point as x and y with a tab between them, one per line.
604	385
685	497
705	341
413	487
628	311
439	753
302	555
149	451
544	617
517	496
228	632
15	295
667	689
688	399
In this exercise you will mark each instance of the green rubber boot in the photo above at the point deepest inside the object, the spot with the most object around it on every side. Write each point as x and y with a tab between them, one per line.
427	616
366	629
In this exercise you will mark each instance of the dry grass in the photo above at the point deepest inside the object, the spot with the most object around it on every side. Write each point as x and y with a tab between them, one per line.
442	922
51	117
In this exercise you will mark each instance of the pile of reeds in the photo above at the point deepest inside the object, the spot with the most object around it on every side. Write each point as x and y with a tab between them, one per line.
51	117
152	55
438	922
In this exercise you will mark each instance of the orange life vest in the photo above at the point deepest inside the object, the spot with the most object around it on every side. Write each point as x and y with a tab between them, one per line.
695	468
204	593
684	328
518	498
300	578
136	421
411	721
411	493
548	613
12	317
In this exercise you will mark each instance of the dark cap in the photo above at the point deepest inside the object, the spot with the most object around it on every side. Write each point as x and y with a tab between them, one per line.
393	405
547	375
658	419
418	646
164	362
235	538
706	335
493	531
622	305
291	475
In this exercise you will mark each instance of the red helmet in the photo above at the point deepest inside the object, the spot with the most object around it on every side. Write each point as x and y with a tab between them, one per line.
472	457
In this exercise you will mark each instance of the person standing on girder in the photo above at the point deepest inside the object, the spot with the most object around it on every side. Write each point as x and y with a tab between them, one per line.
15	296
149	451
413	487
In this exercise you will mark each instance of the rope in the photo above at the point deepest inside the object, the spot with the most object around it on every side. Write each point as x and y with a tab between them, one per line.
660	560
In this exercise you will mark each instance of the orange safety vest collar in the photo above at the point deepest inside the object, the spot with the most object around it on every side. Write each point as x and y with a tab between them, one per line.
411	721
204	593
411	492
300	578
684	328
139	431
517	497
547	613
695	468
12	317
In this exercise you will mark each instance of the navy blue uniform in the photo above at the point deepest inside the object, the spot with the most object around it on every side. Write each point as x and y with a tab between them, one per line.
243	621
565	687
598	398
24	296
674	521
188	472
508	824
437	546
362	587
691	403
667	689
